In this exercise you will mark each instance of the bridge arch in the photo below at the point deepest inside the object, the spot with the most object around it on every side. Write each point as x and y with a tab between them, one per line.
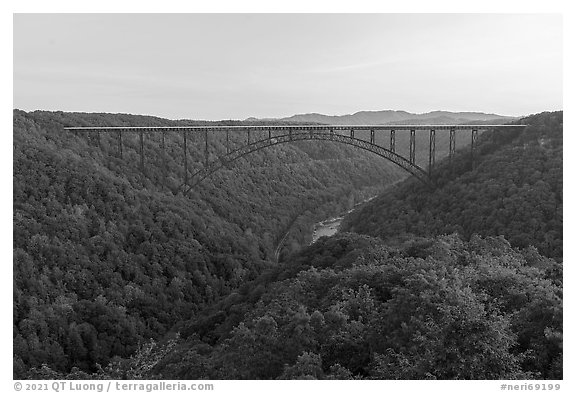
226	160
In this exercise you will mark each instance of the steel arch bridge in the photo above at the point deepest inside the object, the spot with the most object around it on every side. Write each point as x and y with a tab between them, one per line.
260	137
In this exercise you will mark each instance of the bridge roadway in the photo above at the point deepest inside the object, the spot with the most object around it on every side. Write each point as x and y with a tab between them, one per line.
290	133
386	127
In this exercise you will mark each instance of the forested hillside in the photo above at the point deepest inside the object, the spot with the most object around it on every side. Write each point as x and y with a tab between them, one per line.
353	307
461	281
106	257
515	190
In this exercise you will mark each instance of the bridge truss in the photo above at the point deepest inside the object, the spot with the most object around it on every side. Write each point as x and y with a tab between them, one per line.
260	137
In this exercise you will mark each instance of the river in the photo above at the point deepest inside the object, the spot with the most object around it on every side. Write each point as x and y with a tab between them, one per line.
330	226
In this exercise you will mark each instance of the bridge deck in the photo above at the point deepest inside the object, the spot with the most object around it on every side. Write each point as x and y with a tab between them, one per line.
386	127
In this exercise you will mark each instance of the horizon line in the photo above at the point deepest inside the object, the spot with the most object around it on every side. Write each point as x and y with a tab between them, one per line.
284	117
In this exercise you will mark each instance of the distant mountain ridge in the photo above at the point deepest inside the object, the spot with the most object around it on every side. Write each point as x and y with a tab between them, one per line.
397	117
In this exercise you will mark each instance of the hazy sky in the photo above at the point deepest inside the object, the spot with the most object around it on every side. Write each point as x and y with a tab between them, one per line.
222	66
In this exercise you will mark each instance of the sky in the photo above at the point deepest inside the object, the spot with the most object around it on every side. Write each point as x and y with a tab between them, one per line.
235	66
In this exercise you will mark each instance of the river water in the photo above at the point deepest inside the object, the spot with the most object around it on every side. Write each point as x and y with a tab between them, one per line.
330	226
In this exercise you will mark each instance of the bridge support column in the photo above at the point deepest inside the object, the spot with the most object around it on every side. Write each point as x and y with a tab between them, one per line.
473	143
206	148
227	141
393	141
290	134
164	166
142	151
432	153
185	162
412	146
452	150
248	131
372	136
120	143
352	133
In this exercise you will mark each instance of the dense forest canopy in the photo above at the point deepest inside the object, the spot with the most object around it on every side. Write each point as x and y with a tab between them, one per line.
354	307
116	277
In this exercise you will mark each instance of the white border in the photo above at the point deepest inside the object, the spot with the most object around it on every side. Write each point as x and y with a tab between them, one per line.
232	6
